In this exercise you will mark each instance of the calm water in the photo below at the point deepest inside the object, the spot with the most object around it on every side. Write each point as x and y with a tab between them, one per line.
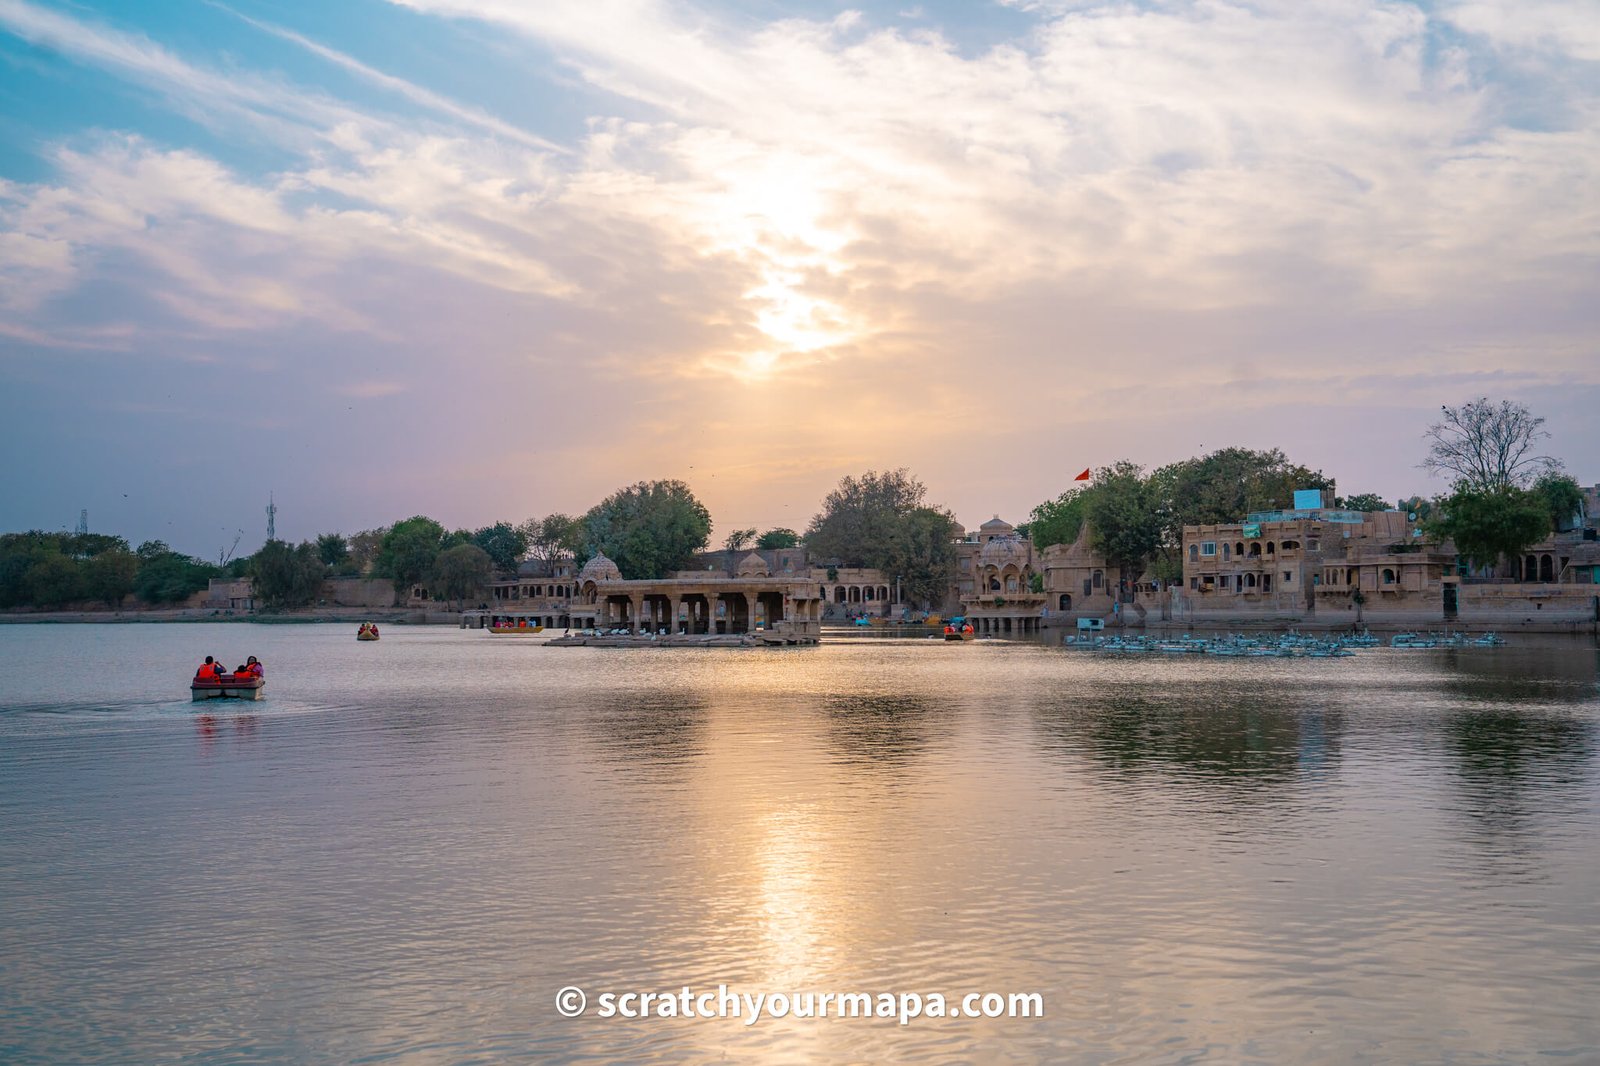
410	846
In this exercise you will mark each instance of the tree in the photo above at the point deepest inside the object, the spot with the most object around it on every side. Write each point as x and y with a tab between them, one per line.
1058	521
1563	496
504	543
1367	501
460	572
332	549
110	576
738	540
408	550
552	537
921	554
166	576
1125	514
648	529
1488	446
863	515
1488	524
285	576
54	579
1229	484
364	548
779	537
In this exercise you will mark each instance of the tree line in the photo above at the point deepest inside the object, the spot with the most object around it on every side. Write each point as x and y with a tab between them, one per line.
1505	497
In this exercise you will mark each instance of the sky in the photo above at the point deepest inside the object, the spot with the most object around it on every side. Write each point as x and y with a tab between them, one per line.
489	259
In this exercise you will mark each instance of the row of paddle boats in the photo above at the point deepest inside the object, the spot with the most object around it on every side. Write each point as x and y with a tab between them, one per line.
1283	646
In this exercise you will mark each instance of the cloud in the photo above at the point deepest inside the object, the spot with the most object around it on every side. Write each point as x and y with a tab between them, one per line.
863	231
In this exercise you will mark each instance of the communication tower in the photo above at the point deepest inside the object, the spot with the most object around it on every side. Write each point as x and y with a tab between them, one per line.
83	521
272	518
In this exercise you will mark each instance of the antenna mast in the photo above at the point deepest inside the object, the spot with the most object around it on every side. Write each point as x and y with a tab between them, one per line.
272	518
83	521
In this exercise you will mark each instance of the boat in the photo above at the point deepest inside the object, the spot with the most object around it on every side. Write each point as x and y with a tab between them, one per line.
227	687
959	628
513	625
1490	640
368	631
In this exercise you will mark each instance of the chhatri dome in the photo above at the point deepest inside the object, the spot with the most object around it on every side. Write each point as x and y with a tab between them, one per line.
599	569
1004	550
996	526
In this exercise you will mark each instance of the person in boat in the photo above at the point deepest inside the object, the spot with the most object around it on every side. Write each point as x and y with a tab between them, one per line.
254	668
373	628
210	670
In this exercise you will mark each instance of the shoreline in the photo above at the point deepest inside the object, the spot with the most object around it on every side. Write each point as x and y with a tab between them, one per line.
391	616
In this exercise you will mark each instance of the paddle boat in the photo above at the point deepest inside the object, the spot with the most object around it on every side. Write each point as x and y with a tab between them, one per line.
227	687
368	631
513	625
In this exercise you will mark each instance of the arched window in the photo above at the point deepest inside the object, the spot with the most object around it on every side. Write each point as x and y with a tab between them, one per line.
1225	549
1388	576
1194	553
1238	549
1255	549
1099	578
1249	581
1270	547
1066	601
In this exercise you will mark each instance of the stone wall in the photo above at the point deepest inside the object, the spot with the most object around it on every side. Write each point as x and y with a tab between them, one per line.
358	592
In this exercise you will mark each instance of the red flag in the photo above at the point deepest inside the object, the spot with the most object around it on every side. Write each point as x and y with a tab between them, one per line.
1083	476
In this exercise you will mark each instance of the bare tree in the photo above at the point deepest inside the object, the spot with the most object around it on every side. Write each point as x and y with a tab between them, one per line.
739	540
1488	446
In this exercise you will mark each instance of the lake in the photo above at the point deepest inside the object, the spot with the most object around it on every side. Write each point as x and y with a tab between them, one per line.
411	847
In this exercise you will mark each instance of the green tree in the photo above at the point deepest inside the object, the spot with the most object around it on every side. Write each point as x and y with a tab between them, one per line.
408	550
860	517
504	544
1228	484
1367	501
333	549
287	576
110	576
90	545
738	540
1058	521
1489	524
1563	496
648	529
921	553
55	579
1487	446
779	537
18	554
459	572
553	537
166	576
364	548
1125	513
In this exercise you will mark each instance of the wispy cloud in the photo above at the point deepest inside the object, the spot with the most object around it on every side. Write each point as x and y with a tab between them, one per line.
1174	210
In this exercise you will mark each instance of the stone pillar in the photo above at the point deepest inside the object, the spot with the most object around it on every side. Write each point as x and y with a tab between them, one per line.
635	611
749	606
